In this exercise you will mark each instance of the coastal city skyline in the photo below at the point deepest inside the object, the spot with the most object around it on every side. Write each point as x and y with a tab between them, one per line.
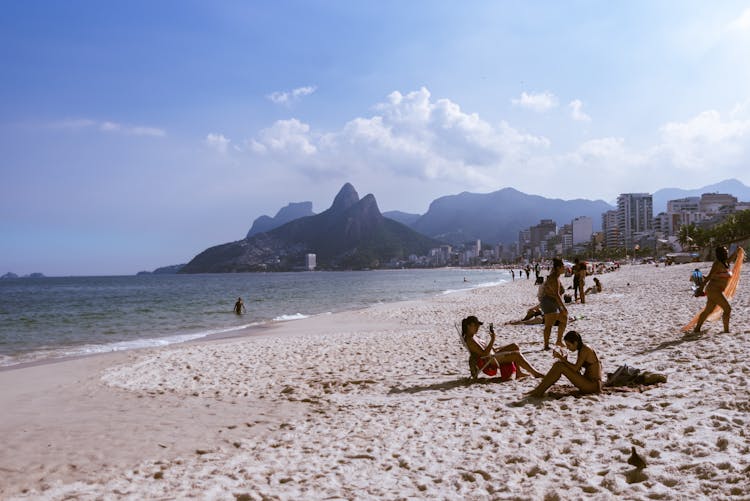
136	136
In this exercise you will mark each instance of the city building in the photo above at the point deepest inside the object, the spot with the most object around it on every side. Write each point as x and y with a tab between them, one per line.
583	228
635	217
311	261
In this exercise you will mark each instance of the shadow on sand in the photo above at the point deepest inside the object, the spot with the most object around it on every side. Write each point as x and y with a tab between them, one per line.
688	337
448	385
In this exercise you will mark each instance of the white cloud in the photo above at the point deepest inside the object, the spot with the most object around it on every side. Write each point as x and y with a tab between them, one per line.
218	142
742	23
576	112
109	126
286	98
536	102
411	135
705	141
285	137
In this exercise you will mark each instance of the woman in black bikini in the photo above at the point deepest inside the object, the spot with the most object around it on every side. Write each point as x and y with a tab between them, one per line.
588	382
552	304
716	281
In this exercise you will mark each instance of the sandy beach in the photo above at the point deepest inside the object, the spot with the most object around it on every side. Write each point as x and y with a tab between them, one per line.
378	404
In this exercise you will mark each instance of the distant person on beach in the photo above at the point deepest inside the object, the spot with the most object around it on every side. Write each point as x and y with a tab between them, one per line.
716	282
597	287
528	271
552	305
588	382
698	282
506	359
579	279
239	307
513	274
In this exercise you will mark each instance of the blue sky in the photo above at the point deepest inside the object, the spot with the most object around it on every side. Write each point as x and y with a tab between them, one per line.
136	134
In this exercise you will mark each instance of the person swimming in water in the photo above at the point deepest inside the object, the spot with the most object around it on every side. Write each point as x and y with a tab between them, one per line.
239	307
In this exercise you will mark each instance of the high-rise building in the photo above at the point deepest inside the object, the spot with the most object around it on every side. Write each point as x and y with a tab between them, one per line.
583	228
311	261
610	230
635	216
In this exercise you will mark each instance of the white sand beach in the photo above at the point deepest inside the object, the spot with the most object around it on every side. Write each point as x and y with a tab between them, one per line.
378	404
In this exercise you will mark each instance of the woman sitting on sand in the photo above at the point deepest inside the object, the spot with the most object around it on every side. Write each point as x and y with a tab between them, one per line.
597	287
588	382
716	281
502	358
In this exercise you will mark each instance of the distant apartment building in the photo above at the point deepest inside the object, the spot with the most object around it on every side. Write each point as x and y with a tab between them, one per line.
713	204
539	235
583	228
707	208
610	230
311	261
682	211
635	217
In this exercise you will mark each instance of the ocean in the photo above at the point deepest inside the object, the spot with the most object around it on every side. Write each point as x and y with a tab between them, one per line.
57	317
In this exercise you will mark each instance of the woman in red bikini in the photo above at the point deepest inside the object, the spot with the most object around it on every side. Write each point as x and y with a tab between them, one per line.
716	281
507	359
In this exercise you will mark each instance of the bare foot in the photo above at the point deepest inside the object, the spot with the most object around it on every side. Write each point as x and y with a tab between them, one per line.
534	394
521	375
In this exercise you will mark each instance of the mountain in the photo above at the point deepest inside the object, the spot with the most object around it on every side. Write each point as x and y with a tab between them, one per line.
402	217
351	234
289	213
731	186
499	216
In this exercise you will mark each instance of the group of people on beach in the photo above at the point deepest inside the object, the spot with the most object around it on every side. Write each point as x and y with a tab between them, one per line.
586	372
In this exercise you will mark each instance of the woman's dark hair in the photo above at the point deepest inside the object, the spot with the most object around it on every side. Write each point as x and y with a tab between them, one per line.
574	338
557	263
721	255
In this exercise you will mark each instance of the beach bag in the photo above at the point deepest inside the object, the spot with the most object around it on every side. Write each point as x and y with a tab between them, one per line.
539	281
623	376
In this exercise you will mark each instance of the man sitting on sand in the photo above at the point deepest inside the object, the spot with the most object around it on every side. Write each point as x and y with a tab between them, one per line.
588	382
503	358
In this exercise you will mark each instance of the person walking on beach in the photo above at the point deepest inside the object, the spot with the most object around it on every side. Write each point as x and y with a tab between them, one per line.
552	304
588	382
506	358
715	284
579	280
239	307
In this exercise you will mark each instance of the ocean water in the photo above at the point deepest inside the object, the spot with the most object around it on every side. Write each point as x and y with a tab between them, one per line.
44	318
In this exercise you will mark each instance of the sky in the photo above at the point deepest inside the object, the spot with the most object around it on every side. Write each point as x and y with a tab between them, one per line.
137	134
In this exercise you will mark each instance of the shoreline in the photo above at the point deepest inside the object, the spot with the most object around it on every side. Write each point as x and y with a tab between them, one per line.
377	403
44	355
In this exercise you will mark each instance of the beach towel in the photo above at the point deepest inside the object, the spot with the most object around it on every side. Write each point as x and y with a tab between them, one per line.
729	292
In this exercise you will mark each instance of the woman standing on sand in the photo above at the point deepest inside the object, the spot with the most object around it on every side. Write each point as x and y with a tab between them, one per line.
552	304
588	382
716	282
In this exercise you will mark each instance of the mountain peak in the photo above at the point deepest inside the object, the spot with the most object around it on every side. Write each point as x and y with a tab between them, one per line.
346	198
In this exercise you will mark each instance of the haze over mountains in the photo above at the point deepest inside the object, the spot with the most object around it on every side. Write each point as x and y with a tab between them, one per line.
492	217
731	186
353	233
